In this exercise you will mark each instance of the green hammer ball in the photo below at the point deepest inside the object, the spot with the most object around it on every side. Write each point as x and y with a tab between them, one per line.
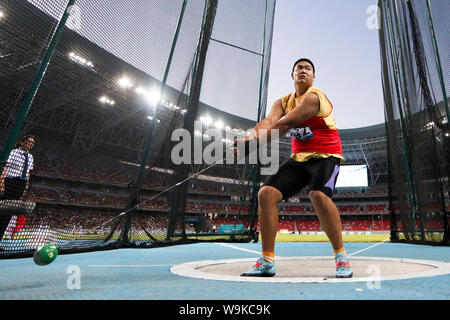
45	254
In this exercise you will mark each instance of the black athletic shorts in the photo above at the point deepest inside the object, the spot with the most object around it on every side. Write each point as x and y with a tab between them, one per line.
317	173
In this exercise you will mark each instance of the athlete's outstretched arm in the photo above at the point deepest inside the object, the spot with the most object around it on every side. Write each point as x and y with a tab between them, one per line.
274	115
308	107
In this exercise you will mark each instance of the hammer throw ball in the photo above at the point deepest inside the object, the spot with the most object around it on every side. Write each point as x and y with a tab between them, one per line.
45	254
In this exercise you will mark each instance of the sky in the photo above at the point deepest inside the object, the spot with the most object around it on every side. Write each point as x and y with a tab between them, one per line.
335	35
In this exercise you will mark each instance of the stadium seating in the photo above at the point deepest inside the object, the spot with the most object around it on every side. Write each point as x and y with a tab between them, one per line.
434	224
381	225
291	209
286	225
111	172
307	225
358	225
349	208
376	208
377	191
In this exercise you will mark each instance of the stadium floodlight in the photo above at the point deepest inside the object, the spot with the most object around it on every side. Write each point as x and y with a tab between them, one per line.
219	125
80	60
206	120
106	100
153	97
151	118
125	83
2	14
140	90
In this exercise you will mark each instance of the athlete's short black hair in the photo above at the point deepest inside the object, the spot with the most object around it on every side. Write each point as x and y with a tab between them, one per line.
307	60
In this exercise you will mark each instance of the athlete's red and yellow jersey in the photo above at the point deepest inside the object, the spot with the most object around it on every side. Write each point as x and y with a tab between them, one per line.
317	137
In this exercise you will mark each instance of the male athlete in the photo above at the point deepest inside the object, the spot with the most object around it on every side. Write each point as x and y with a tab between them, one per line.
316	157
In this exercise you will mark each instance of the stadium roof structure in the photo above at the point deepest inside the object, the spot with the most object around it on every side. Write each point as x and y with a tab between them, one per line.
374	131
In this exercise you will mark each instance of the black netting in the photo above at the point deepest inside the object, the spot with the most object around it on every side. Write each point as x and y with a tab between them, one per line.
416	79
121	77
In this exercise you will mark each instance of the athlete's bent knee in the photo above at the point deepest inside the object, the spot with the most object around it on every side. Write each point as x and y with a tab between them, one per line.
316	195
269	194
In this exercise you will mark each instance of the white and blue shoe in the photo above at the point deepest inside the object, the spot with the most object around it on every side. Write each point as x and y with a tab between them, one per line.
262	268
343	269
